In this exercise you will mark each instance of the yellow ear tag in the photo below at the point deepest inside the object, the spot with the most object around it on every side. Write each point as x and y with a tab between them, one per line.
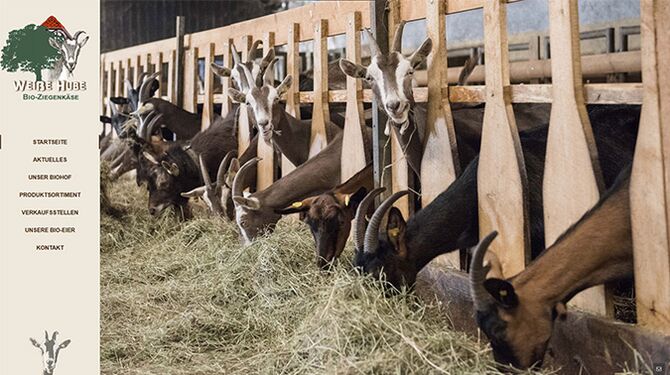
347	198
296	204
394	232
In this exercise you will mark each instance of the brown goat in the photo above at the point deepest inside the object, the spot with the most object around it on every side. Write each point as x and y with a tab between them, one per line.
518	314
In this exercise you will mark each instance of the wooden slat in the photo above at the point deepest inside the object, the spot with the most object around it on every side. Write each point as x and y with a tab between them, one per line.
572	178
158	67
440	152
399	169
244	130
191	80
118	82
171	92
266	166
501	177
103	97
110	82
136	62
293	94
321	111
353	145
226	103
650	178
208	105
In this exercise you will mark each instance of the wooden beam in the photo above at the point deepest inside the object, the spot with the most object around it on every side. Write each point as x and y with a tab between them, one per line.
110	82
293	94
118	82
650	180
180	27
501	177
103	97
171	92
572	178
321	110
208	105
354	150
381	152
137	65
266	166
126	75
158	67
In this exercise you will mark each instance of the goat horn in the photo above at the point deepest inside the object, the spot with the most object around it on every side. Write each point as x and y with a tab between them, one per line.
241	174
144	75
76	35
46	335
146	86
236	57
371	234
267	76
112	107
397	39
151	126
359	221
142	127
253	50
478	271
248	76
374	47
223	167
53	336
129	85
205	172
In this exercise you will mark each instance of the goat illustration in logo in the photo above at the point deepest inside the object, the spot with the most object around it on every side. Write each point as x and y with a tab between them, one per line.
47	50
49	351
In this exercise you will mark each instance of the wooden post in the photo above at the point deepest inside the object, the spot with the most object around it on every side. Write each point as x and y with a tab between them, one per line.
190	80
244	130
381	155
572	178
293	94
353	157
208	105
118	83
179	61
226	103
266	166
103	98
650	180
440	152
501	177
399	171
126	75
110	81
171	92
137	64
321	111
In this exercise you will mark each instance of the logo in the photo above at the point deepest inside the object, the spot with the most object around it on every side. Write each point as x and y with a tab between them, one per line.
49	350
49	52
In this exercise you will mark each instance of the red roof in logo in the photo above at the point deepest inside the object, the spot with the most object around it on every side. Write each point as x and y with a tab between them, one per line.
53	24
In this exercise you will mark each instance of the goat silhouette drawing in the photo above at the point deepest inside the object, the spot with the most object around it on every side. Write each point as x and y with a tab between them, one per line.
50	351
47	50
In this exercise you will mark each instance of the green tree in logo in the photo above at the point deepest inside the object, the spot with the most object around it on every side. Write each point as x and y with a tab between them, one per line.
28	50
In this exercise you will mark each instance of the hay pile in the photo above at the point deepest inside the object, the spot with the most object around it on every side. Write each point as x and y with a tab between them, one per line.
186	298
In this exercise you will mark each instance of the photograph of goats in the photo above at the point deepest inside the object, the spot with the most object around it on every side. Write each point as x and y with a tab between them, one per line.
385	186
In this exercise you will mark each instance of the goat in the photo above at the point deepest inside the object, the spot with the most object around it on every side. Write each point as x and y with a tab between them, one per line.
69	48
256	214
329	215
215	194
49	351
518	314
451	221
290	135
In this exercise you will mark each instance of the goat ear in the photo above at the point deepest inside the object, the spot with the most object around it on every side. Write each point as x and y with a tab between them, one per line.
284	85
105	119
197	192
248	203
35	343
356	198
120	100
420	54
220	71
171	168
353	70
233	168
561	311
503	292
237	96
64	344
299	206
395	230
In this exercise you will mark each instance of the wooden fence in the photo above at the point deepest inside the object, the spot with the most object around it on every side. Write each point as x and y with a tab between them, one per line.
572	182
